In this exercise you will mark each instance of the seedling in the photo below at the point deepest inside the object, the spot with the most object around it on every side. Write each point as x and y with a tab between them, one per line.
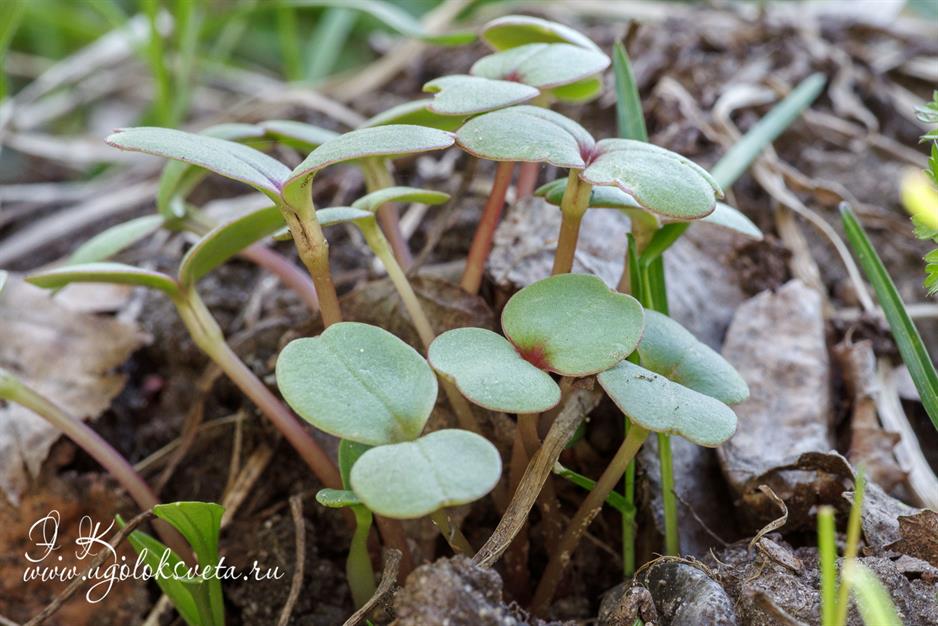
289	190
535	61
214	249
198	599
364	385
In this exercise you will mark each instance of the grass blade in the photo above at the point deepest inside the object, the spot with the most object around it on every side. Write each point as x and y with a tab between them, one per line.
629	116
827	555
873	600
904	331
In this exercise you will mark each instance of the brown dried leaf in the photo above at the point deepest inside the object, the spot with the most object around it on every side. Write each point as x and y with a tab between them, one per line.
67	356
919	536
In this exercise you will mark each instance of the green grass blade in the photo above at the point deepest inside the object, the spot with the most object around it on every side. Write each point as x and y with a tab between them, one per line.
10	15
325	46
728	169
162	102
827	555
614	499
289	43
904	331
629	116
876	607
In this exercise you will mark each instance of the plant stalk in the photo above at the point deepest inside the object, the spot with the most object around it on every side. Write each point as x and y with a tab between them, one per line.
827	554
358	568
485	231
852	546
14	390
672	537
527	180
208	336
289	274
588	510
454	537
382	249
547	498
378	177
314	252
573	206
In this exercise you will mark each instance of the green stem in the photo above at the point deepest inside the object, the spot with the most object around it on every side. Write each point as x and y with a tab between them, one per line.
208	336
289	43
358	568
13	389
573	206
485	230
162	102
300	215
672	537
853	544
588	510
382	249
378	177
454	537
827	554
629	523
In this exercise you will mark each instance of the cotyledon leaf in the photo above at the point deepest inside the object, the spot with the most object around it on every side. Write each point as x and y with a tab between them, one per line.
542	65
415	113
230	159
226	240
526	133
118	273
412	479
669	349
465	95
572	324
661	181
337	498
358	382
664	406
109	242
391	140
579	92
374	200
300	135
491	373
511	31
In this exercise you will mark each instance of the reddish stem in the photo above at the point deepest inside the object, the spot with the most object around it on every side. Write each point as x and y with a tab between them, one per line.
390	222
289	274
485	231
527	180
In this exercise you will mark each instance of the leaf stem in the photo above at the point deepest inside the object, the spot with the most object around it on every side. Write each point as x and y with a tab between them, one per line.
527	179
208	336
289	274
588	510
672	537
14	390
358	568
454	537
382	249
485	231
827	554
378	177
313	248
573	206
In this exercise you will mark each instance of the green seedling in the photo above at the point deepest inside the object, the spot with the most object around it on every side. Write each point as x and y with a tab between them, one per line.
289	190
533	63
652	403
364	385
174	213
214	249
197	597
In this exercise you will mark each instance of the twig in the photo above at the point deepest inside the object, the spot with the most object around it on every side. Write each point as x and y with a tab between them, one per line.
73	586
392	560
296	509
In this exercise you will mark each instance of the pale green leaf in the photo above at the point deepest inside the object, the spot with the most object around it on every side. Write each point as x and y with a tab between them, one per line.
872	597
109	242
572	324
389	141
733	219
358	382
342	215
661	181
230	159
658	404
116	273
179	179
512	31
226	240
542	65
669	349
415	113
488	370
526	133
579	92
468	95
376	199
600	197
416	478
337	498
304	137
349	452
